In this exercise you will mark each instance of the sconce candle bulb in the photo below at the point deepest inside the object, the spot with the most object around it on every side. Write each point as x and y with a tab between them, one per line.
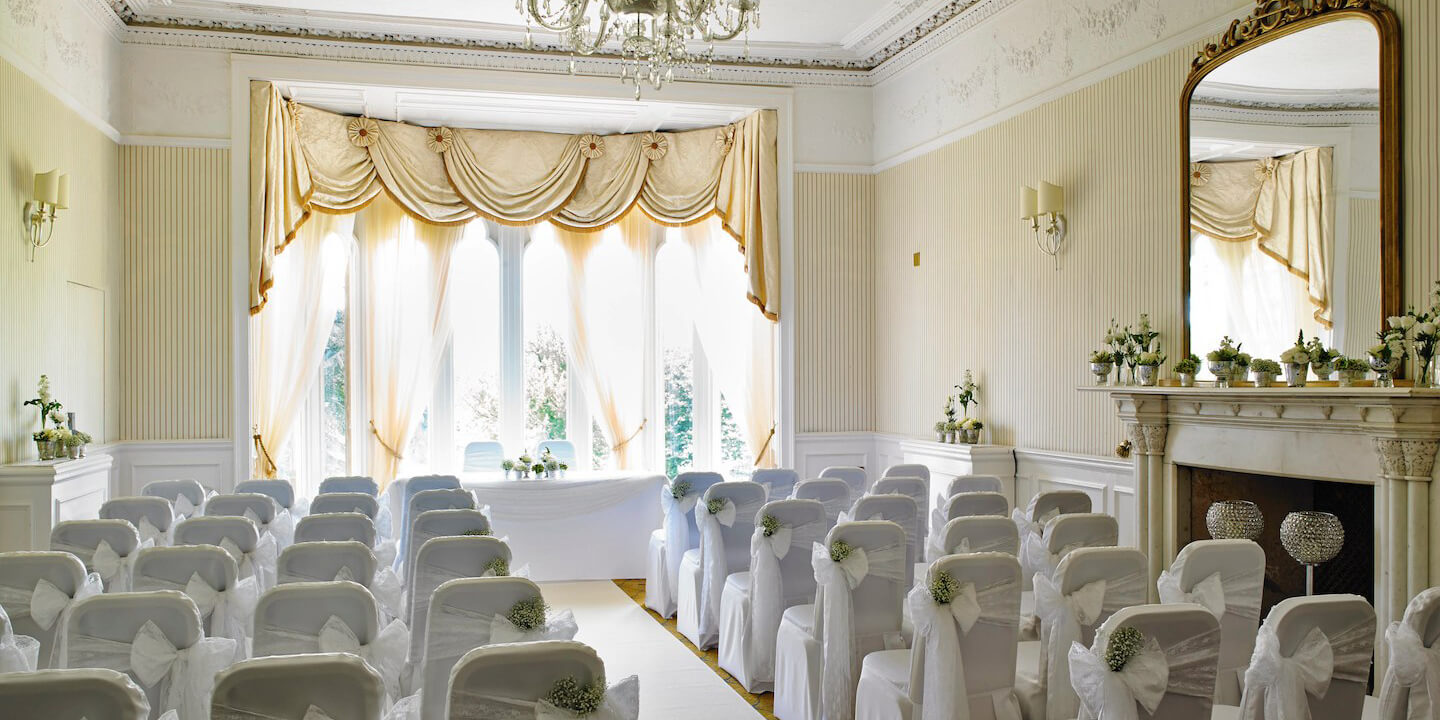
1043	211
51	193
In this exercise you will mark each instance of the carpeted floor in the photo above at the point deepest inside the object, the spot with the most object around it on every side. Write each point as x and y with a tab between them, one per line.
763	703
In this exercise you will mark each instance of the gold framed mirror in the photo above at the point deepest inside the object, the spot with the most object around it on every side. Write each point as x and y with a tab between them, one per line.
1290	141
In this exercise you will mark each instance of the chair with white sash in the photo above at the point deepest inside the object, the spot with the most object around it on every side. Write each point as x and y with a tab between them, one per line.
908	470
985	533
1411	689
428	501
254	556
1089	585
1227	577
474	612
1168	672
326	617
1312	660
323	686
346	502
210	577
258	508
323	561
441	560
833	493
778	482
18	653
442	523
678	534
965	504
412	487
726	517
513	681
899	509
281	491
151	516
350	484
185	496
37	590
483	456
969	483
917	489
335	527
1065	533
107	547
962	663
853	476
156	639
1042	508
860	587
72	695
780	577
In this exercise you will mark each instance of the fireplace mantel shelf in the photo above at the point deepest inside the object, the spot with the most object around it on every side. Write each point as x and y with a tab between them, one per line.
1209	391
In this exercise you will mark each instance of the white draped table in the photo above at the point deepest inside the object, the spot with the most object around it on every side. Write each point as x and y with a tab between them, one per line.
585	526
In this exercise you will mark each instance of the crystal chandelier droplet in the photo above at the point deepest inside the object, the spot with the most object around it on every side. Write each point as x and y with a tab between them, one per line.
652	35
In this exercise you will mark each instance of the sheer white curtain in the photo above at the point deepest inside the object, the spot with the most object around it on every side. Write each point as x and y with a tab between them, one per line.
606	289
738	341
288	336
406	325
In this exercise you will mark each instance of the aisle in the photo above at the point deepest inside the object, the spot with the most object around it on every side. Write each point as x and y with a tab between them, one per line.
674	683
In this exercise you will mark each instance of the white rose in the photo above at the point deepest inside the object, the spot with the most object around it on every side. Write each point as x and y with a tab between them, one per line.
1407	322
1394	321
1425	328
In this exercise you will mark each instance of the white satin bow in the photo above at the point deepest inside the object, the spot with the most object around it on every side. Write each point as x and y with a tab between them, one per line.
386	652
726	516
853	568
677	541
259	563
183	507
1285	681
152	655
47	602
151	534
937	631
1209	593
1412	685
1110	695
560	626
778	541
1062	617
837	580
622	702
845	517
190	672
114	568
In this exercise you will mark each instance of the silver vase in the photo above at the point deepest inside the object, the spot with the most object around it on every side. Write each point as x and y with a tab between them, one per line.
1295	373
1221	369
1234	520
1312	537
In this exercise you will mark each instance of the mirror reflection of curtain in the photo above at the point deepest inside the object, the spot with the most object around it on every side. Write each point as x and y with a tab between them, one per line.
406	324
738	342
289	335
1281	208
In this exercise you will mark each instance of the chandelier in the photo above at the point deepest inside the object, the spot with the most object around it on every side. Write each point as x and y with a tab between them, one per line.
653	36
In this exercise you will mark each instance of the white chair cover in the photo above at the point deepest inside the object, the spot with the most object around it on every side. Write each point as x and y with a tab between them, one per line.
65	694
900	509
1032	521
152	516
767	601
441	560
322	686
1411	690
18	653
431	524
914	470
281	491
622	702
186	496
1063	617
509	682
231	612
714	564
662	592
350	483
938	632
107	547
47	607
853	476
114	569
833	493
1064	534
1281	686
835	581
386	653
357	502
258	563
778	482
1227	577
979	534
184	675
1183	667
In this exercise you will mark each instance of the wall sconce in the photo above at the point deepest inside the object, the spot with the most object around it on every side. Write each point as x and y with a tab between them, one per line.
1044	212
52	192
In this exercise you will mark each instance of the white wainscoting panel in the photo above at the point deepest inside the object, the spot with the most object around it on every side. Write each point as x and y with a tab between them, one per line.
1108	481
816	451
210	462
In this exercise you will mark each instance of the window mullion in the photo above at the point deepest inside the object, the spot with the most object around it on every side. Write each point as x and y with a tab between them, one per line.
511	243
358	437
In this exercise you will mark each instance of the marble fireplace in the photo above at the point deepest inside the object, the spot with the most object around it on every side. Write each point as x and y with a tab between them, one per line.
1381	439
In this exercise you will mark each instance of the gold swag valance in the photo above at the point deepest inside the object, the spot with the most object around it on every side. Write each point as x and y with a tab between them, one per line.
305	160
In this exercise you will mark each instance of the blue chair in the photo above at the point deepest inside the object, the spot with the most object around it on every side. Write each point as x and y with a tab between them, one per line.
481	456
563	450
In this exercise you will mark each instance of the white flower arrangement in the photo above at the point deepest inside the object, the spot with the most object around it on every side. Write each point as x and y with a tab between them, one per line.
1150	359
1298	354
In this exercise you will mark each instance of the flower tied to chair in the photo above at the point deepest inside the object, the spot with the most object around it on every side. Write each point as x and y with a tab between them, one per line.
568	700
1280	683
1412	683
1061	617
944	610
18	653
719	513
769	544
530	620
677	499
184	676
386	652
839	569
1118	671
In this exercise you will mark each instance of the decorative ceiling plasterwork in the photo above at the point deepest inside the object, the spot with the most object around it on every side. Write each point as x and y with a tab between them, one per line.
138	21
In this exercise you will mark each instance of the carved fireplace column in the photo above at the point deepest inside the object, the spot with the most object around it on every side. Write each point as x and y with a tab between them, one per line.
1405	468
1147	426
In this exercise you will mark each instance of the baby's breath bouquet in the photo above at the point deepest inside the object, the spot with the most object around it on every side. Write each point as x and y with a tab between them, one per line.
716	506
478	533
769	525
569	694
1124	644
498	566
840	551
943	587
528	614
679	489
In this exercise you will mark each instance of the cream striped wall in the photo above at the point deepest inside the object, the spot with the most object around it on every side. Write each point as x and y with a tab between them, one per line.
1361	269
59	314
986	299
176	361
835	308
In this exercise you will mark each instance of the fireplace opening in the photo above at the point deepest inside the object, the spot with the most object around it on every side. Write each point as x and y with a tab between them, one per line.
1352	571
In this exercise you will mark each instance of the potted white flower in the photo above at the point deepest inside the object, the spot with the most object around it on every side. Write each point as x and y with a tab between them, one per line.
1186	369
1351	370
1240	369
1101	363
951	429
1295	362
1386	357
1264	371
1221	361
1323	360
1147	367
972	427
940	431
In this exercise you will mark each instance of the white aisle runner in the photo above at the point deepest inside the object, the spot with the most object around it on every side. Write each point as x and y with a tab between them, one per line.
674	683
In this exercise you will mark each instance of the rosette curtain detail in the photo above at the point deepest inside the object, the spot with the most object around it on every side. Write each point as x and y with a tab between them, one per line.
306	160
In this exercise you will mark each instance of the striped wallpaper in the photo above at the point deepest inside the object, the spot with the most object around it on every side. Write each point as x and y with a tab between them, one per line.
835	307
176	356
991	301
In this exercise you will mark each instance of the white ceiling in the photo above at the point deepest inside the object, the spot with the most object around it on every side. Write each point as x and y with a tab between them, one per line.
810	31
1341	55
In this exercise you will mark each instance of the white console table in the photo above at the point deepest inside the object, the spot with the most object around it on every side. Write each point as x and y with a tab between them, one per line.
36	495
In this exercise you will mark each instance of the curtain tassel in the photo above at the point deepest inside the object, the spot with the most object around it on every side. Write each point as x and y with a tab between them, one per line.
616	447
374	431
764	448
270	466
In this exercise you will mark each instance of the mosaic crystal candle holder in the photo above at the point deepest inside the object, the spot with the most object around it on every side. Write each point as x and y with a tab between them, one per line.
1312	537
1234	520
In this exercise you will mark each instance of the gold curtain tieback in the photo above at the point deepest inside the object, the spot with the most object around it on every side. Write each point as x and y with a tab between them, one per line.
765	447
627	440
391	450
270	465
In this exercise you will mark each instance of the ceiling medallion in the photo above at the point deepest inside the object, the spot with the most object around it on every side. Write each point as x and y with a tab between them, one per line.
654	36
